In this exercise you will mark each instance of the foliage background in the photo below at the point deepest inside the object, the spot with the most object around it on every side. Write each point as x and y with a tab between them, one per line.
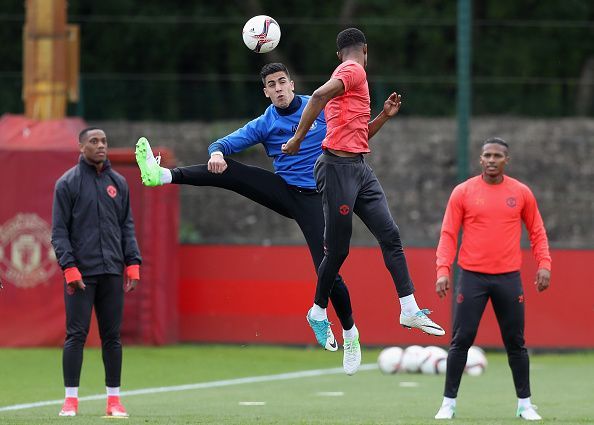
177	60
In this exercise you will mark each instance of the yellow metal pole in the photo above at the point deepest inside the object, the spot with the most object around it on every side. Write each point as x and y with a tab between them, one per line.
48	67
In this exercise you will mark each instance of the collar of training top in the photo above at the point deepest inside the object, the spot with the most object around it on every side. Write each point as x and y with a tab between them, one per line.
90	167
292	108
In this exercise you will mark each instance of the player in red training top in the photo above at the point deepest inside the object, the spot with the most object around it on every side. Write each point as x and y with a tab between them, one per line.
348	185
490	209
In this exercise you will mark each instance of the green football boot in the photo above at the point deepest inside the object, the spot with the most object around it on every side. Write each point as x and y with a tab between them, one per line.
150	171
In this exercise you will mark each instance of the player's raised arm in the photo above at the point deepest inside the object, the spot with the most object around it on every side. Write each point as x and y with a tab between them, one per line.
332	88
391	108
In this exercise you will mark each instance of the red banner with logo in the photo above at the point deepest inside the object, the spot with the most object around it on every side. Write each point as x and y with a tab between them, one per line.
33	156
31	304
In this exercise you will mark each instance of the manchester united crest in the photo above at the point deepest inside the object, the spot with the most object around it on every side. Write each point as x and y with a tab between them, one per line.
26	255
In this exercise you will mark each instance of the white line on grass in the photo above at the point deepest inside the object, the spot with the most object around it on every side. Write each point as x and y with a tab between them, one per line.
198	386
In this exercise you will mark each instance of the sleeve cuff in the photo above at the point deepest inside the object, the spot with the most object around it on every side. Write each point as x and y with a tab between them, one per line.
72	274
133	272
443	271
545	264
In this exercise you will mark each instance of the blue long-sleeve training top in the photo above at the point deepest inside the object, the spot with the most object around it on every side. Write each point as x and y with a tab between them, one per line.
273	128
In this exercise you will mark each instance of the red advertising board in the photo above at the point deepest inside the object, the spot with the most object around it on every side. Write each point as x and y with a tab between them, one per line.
255	294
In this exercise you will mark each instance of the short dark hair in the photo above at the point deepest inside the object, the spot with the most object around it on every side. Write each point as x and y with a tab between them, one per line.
271	68
497	141
350	37
85	131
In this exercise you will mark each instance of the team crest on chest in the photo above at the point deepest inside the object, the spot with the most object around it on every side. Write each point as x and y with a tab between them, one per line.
313	127
112	191
511	202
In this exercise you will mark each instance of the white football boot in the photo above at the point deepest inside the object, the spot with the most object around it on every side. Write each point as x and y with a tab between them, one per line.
421	321
528	413
446	411
351	359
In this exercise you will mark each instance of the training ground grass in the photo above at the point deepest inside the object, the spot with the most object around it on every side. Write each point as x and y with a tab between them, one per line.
562	386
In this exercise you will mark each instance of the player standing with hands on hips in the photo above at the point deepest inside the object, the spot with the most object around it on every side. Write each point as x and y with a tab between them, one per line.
95	244
348	185
490	209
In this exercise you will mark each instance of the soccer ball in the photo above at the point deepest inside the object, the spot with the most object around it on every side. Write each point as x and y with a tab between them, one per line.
261	34
412	358
389	360
476	362
435	362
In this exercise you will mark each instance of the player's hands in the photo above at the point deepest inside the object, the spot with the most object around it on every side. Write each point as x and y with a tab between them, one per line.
130	284
543	278
217	164
392	104
442	286
291	147
76	284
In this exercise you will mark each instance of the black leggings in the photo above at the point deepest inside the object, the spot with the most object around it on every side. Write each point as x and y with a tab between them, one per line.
271	191
106	294
348	186
507	296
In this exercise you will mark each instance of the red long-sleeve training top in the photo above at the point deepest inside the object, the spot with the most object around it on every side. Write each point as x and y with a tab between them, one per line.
491	218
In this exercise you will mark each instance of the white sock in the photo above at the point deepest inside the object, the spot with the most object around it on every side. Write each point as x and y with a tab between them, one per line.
165	175
112	391
318	313
408	305
524	402
165	172
350	333
72	392
449	402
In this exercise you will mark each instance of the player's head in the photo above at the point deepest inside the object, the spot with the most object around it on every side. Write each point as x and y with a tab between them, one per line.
92	144
494	157
351	42
278	86
272	68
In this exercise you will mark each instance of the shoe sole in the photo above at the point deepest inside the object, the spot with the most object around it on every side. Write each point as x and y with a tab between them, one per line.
112	416
446	418
142	148
423	330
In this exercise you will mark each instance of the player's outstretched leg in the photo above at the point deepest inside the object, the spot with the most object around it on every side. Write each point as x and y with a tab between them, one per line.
150	171
420	320
323	332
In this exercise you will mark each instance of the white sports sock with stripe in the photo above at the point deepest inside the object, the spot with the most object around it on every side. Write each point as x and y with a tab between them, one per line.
408	305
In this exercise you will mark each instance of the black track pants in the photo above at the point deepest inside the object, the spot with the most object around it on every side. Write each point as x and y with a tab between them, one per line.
507	296
349	185
105	293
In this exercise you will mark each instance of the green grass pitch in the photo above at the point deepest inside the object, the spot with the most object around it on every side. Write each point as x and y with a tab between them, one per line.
562	387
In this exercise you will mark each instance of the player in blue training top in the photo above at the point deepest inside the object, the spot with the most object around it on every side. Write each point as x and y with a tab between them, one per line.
290	190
